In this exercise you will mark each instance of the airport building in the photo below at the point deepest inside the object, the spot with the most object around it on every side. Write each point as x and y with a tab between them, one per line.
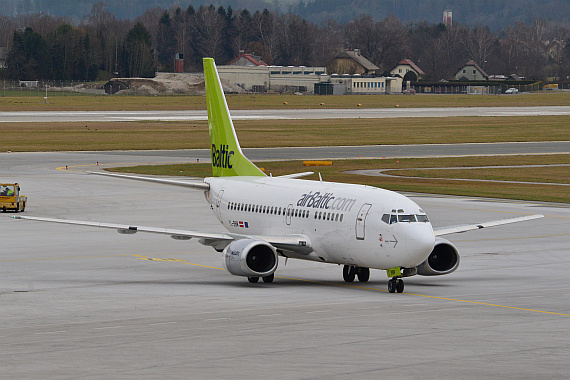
358	85
272	78
252	74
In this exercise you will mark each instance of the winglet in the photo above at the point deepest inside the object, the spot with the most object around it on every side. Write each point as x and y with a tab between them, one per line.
227	157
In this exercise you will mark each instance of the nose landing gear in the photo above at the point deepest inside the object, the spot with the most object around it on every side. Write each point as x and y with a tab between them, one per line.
395	284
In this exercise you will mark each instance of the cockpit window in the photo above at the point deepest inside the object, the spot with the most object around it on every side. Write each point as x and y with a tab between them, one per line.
422	218
406	218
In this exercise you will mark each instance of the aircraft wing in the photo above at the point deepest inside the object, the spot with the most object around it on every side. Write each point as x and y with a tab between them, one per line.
477	226
294	243
129	229
195	185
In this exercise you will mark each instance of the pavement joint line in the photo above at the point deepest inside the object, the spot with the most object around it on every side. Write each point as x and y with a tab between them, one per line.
63	258
63	168
409	294
321	283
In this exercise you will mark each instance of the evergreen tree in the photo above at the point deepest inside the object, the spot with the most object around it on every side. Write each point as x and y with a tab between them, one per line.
137	53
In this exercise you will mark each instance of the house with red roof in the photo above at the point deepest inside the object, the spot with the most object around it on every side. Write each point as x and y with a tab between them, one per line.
408	71
245	59
471	71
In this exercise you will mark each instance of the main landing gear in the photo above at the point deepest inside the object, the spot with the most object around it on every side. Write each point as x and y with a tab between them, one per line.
349	272
395	284
267	279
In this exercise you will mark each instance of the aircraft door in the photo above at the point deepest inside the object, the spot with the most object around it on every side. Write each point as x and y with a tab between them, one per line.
361	220
288	215
219	204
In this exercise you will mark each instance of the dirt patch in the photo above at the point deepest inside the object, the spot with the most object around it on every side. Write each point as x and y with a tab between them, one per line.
165	84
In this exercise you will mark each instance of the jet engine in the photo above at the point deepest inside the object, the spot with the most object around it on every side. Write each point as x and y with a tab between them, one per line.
443	259
251	258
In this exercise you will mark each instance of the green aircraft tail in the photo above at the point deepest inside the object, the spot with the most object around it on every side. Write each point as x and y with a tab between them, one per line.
227	157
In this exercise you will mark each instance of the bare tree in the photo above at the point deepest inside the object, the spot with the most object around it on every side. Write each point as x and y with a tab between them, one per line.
296	40
364	33
391	48
479	44
6	30
264	37
452	50
208	25
331	40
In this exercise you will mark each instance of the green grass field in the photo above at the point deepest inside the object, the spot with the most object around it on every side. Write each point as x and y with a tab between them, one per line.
277	133
19	137
338	173
35	101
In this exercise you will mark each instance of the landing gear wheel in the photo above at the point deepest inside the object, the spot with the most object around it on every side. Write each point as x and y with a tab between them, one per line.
400	286
348	273
392	285
363	274
269	279
253	280
395	285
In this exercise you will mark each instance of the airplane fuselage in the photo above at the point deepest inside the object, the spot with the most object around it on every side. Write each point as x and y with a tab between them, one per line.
344	223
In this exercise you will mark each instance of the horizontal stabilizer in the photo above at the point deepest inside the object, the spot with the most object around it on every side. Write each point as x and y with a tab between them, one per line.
296	175
172	182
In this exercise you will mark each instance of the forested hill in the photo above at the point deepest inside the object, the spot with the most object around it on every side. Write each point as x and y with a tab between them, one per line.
122	9
494	13
497	14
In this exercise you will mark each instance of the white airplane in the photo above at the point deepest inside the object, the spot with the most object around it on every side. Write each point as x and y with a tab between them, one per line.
360	227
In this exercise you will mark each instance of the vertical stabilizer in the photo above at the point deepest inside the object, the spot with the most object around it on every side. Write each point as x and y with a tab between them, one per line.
227	157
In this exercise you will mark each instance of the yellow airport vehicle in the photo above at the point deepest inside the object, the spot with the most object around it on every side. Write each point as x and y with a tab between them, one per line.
10	198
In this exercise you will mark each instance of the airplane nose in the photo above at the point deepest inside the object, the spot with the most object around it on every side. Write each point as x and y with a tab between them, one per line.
419	242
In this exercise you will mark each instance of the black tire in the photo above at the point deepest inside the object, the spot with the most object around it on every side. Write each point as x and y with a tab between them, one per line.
363	274
23	206
3	208
348	273
391	285
253	280
269	279
400	286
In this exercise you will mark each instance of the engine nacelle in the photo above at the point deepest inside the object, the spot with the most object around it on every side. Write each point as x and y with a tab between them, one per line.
443	259
251	258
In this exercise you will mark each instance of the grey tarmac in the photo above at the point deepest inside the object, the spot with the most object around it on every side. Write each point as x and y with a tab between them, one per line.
320	113
85	303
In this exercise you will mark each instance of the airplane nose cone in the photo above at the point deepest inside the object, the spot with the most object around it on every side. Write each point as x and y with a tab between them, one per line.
419	242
